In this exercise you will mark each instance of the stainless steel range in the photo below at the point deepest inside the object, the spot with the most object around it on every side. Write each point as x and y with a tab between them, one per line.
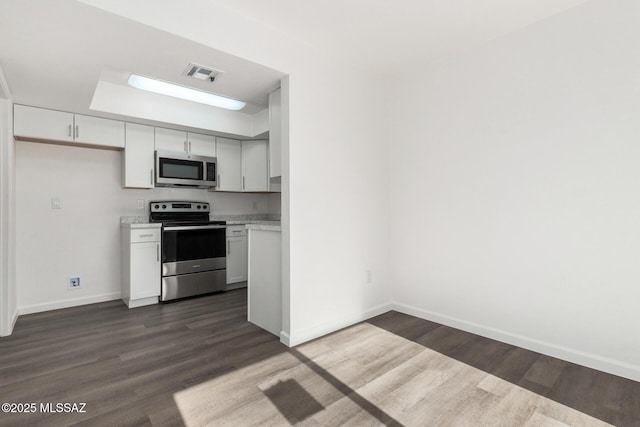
193	249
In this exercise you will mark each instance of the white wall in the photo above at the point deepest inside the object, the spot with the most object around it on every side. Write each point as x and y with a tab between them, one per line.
8	297
83	237
515	176
337	183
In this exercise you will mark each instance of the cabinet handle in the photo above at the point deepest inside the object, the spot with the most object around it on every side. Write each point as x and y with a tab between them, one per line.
218	184
146	235
158	252
189	146
151	177
243	182
69	131
228	247
236	231
185	147
77	132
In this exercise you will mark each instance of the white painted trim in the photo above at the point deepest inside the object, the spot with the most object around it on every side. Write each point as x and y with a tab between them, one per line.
594	361
4	86
37	308
285	339
7	197
299	337
135	303
14	319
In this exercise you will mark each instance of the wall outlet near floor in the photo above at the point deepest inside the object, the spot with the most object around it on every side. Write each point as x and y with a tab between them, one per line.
74	282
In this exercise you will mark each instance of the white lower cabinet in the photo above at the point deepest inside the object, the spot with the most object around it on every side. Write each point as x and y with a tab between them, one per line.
264	294
140	265
236	255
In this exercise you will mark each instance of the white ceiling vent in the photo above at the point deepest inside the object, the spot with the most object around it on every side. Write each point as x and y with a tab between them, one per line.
202	72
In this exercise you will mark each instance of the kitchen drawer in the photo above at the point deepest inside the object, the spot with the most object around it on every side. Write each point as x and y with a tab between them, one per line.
145	235
236	230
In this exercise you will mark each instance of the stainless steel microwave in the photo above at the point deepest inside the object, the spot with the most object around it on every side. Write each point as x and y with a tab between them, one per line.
182	170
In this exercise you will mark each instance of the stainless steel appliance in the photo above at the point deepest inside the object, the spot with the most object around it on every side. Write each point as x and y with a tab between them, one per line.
193	249
185	170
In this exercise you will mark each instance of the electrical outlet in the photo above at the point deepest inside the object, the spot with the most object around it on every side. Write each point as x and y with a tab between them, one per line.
140	203
255	205
55	203
74	282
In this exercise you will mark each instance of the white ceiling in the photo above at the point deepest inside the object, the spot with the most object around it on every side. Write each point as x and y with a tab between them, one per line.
391	35
53	52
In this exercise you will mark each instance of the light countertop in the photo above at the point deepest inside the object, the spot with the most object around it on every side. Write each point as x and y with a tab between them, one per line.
265	226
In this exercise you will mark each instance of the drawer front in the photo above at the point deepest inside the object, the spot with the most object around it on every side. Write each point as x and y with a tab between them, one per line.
236	230
145	235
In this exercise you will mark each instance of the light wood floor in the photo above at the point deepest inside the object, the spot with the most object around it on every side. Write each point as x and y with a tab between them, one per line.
198	362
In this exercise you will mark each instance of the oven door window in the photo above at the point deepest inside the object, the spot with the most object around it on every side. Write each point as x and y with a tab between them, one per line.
181	169
185	245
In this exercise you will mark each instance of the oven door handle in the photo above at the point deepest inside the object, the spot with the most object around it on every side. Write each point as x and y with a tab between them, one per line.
195	227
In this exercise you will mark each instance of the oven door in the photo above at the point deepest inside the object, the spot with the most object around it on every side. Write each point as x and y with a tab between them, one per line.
193	249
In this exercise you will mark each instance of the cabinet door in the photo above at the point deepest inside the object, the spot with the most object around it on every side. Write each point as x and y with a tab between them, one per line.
138	156
40	123
99	131
201	145
237	266
275	133
254	166
145	270
171	140
229	154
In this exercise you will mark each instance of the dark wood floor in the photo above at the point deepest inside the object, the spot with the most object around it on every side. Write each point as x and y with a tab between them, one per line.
199	362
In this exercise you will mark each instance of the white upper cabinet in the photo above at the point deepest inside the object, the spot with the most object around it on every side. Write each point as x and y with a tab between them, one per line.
33	123
229	155
171	140
242	165
201	145
138	156
255	174
187	142
38	123
275	133
98	131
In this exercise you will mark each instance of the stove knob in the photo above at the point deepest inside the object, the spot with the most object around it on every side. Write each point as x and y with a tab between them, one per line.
157	206
198	206
164	206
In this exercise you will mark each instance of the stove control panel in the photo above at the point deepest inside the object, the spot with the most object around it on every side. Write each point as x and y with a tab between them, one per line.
178	206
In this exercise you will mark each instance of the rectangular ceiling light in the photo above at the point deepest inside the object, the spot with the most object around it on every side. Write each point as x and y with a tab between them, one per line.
183	92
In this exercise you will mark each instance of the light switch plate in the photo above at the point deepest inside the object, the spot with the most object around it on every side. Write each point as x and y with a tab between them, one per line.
55	203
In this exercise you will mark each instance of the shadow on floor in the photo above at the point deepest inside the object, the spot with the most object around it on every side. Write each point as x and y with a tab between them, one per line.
612	399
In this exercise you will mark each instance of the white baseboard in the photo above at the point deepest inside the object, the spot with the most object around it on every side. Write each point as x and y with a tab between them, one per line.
14	319
37	308
284	338
298	337
594	361
7	329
